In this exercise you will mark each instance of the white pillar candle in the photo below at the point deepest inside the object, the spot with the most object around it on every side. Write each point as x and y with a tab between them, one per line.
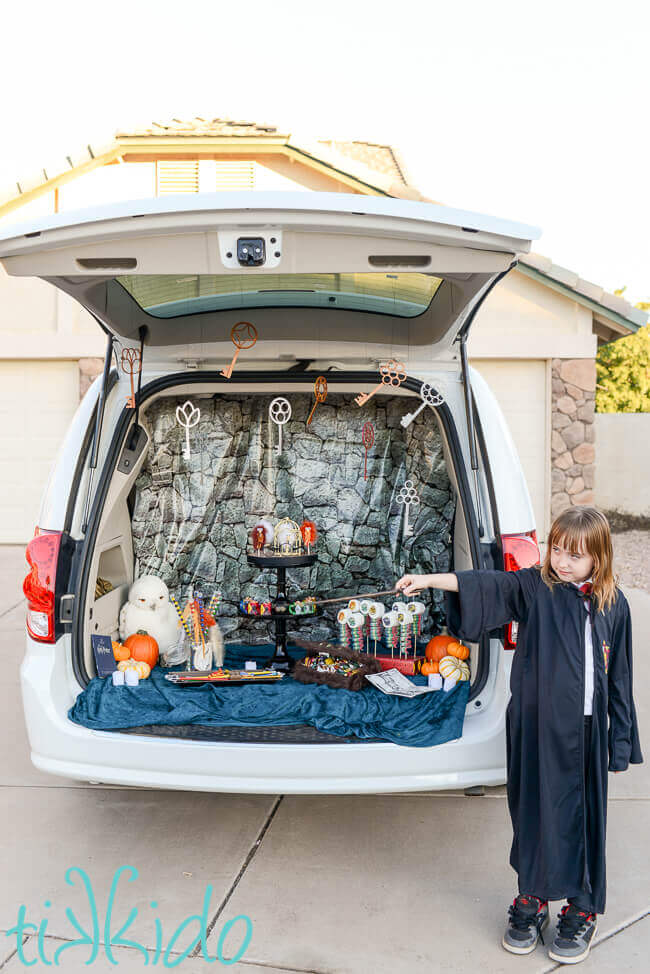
131	678
449	684
118	678
250	664
435	681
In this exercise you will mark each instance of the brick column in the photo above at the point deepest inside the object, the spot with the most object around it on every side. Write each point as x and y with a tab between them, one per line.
572	444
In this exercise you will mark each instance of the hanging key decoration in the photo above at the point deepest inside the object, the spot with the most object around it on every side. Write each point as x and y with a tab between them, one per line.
131	365
392	374
367	438
320	392
242	335
279	413
408	497
429	397
187	416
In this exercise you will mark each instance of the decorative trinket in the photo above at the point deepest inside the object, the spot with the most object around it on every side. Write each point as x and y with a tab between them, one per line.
408	497
242	335
187	416
280	413
392	374
429	397
367	438
320	392
131	360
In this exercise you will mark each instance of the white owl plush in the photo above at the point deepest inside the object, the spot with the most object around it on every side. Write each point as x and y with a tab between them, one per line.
149	608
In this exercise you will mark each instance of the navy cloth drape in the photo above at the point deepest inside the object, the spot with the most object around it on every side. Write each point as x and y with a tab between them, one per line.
430	719
556	852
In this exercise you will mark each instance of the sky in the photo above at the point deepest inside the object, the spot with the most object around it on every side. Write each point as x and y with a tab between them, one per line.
532	111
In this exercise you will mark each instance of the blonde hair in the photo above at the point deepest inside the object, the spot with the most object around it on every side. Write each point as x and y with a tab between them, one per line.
585	530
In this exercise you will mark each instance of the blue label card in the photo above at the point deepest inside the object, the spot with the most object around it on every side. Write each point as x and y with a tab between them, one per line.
104	658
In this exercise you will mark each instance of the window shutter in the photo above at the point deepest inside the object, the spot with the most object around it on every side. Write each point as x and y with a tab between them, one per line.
235	175
181	176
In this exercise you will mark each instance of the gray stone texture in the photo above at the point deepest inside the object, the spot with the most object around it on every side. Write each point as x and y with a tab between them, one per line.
573	433
196	531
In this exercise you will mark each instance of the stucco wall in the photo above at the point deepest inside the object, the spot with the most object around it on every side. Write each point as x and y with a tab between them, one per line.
623	462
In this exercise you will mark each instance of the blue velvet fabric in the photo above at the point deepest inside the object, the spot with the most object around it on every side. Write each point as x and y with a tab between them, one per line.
432	718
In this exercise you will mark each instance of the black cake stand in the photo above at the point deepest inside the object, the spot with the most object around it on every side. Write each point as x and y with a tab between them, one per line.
280	607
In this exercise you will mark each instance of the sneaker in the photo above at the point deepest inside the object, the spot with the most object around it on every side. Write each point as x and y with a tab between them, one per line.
528	915
574	936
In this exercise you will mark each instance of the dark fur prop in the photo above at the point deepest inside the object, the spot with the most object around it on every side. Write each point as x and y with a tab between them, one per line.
357	681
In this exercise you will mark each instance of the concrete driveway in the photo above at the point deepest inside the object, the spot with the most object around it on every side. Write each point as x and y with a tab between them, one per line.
387	884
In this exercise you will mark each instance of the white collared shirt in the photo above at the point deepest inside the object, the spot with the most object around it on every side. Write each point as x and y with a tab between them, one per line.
589	656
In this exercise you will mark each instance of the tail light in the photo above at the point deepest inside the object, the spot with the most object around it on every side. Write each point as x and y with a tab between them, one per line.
519	551
39	587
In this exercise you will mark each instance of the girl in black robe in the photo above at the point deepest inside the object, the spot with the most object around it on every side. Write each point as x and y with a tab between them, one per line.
556	771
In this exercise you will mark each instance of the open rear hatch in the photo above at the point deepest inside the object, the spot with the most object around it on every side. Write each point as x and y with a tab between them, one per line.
342	284
401	276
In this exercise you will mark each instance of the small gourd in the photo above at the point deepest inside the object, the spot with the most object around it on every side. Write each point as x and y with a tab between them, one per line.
120	652
141	668
457	669
429	667
458	650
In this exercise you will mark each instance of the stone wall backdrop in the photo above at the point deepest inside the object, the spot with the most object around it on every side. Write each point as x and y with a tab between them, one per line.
192	518
572	444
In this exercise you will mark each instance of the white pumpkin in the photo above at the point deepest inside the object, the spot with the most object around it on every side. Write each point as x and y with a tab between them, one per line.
138	665
457	669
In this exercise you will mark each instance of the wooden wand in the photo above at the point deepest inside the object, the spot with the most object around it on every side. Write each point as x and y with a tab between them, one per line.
346	598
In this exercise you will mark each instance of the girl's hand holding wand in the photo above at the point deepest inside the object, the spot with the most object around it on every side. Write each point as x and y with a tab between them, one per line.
410	584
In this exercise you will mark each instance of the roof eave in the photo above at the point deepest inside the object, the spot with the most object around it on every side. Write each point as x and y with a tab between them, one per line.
621	325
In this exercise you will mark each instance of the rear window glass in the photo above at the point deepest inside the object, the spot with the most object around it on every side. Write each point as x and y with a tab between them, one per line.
171	295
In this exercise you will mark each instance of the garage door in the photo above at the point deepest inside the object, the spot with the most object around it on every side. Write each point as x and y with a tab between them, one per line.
37	402
519	386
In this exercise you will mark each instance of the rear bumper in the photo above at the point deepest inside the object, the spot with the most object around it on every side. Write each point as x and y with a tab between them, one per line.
61	747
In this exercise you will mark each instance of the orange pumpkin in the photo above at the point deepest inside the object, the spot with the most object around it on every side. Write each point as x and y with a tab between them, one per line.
120	652
458	650
143	647
437	647
431	666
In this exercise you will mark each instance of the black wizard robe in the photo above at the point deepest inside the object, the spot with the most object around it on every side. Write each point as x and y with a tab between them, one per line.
553	852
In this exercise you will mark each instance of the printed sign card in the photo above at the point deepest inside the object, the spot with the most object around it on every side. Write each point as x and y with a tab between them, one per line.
104	658
394	682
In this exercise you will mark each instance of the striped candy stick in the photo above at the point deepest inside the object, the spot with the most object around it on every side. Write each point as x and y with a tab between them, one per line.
181	616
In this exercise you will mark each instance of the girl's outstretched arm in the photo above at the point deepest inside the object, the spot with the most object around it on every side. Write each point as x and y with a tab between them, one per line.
410	584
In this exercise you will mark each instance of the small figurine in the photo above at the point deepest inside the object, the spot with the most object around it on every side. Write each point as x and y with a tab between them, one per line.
258	537
262	534
309	534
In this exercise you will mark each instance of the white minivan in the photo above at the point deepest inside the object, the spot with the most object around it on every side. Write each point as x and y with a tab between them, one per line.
335	285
